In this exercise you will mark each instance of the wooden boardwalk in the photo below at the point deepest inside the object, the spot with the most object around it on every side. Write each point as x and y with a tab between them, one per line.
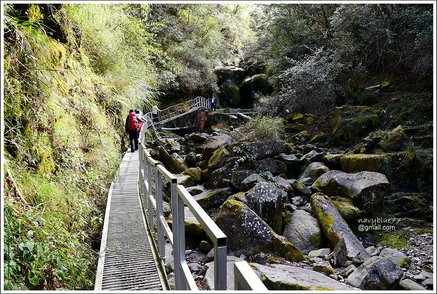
127	260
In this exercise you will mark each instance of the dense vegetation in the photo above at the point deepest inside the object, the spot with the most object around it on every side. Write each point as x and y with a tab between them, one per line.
72	71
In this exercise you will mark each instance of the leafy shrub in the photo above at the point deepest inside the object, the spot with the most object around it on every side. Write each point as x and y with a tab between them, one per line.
262	128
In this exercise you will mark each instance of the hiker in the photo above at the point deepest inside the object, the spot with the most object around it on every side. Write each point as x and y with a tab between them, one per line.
213	103
155	113
139	121
131	128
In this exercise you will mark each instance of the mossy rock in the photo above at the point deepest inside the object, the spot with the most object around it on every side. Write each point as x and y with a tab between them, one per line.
394	140
168	161
246	231
362	162
218	158
323	267
334	226
301	136
185	180
294	128
347	210
212	198
318	137
195	173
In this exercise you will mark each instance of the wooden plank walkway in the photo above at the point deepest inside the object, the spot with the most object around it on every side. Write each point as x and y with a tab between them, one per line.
127	261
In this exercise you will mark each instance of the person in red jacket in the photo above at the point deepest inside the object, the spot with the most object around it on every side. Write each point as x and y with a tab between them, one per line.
131	128
139	121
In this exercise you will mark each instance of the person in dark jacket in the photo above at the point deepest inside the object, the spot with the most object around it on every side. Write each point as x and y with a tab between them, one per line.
131	128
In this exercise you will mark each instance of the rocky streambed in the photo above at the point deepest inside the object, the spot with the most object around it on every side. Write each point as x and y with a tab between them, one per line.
304	216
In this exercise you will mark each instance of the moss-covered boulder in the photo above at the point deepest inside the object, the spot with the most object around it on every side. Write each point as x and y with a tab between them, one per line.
213	198
215	142
393	140
346	208
218	158
185	180
169	162
286	277
195	173
299	188
363	162
246	231
335	228
267	201
366	189
313	171
303	231
319	137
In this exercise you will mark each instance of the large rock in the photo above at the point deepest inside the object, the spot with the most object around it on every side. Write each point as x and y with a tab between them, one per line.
250	181
313	171
303	231
261	150
195	173
284	185
290	160
238	176
208	280
213	198
396	256
376	273
246	231
366	189
285	277
274	166
221	177
267	201
198	137
215	142
347	210
335	228
218	158
299	188
169	162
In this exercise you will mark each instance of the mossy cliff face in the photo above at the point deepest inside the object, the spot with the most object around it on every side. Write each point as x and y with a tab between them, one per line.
247	231
64	127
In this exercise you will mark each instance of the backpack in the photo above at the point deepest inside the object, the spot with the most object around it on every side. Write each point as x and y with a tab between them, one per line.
133	123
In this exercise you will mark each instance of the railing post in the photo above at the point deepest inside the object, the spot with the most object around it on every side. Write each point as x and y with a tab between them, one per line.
179	243
220	265
146	188
159	214
149	196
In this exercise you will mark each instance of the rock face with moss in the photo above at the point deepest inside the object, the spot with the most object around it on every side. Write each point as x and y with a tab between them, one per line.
248	232
377	273
335	228
285	277
303	231
266	200
366	189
